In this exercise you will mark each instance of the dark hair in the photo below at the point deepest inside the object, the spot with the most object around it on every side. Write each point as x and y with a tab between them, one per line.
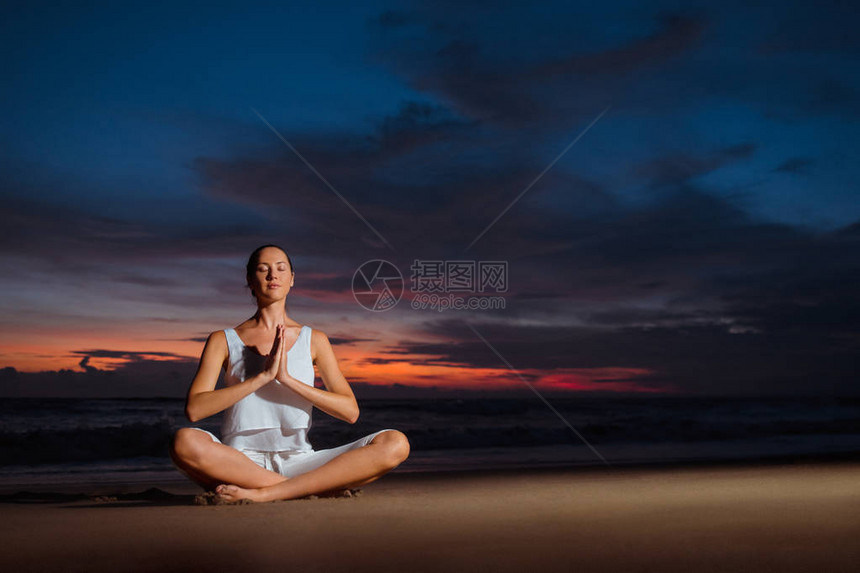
251	267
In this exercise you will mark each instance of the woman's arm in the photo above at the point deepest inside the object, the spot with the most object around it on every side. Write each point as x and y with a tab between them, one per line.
338	400
203	400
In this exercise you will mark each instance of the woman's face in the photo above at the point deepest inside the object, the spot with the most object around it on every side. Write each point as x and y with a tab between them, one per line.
272	276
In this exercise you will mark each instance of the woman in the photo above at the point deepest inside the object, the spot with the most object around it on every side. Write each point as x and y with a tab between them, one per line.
268	398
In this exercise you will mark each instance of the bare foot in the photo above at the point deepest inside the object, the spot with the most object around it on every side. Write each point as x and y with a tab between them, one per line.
233	493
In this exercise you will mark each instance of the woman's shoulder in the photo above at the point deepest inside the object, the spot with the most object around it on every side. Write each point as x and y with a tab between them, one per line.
317	334
216	344
217	338
319	341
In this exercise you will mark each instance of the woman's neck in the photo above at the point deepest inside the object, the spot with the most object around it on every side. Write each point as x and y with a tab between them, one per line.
271	315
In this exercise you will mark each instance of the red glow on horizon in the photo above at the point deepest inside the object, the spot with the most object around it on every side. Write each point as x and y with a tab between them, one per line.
410	372
613	379
36	352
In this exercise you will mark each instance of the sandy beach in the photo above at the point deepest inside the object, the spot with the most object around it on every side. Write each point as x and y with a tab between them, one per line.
791	517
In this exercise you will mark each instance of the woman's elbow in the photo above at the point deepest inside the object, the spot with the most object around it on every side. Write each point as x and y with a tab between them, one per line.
192	413
352	417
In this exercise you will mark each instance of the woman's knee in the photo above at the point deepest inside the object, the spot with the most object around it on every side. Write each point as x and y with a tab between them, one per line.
396	446
189	444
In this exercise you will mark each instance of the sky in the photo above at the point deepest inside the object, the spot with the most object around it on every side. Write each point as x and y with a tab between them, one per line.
671	185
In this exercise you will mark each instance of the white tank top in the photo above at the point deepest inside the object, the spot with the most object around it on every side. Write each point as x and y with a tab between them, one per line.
274	418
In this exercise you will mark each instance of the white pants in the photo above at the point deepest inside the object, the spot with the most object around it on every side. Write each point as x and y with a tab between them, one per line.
292	464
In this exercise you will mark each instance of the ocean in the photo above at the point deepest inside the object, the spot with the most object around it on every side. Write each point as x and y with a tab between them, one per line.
64	442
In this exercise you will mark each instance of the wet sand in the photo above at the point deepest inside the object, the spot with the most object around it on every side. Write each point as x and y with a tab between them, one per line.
801	517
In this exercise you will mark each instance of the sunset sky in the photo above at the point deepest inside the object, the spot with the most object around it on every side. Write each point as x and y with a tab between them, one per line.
673	186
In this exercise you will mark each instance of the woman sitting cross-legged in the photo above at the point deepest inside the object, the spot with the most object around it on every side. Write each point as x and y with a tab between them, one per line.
264	453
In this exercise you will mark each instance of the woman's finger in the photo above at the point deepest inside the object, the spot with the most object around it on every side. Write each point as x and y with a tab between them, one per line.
276	352
280	343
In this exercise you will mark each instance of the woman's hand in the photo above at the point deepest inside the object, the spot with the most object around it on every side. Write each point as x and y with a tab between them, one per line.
283	374
272	369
